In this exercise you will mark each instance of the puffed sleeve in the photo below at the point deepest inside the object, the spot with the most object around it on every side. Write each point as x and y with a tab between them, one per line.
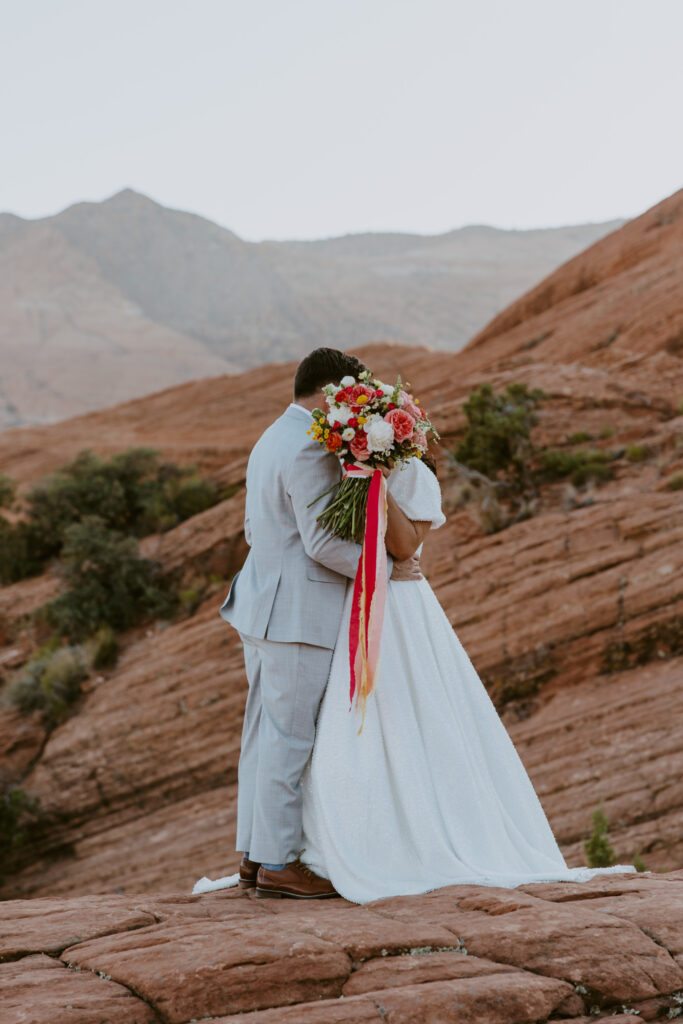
416	491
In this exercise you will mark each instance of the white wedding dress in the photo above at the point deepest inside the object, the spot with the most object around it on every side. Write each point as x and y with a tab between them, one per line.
432	792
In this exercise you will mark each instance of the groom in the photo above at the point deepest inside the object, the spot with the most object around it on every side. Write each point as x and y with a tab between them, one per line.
286	603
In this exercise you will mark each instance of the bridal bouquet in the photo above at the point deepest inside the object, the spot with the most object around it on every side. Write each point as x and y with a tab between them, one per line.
368	425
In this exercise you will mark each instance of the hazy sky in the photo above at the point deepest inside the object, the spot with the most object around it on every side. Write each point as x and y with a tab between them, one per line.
308	118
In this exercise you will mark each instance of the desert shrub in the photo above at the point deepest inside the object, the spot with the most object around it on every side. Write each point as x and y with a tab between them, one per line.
7	491
579	466
638	862
597	847
636	452
675	483
102	649
131	492
498	436
17	558
580	437
108	584
50	682
606	432
17	810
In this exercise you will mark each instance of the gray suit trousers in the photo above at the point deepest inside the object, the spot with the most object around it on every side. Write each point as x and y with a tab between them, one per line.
286	685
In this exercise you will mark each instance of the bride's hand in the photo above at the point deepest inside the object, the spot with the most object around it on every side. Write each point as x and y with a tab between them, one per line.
409	569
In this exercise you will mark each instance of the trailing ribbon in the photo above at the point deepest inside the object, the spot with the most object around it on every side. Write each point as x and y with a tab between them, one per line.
369	590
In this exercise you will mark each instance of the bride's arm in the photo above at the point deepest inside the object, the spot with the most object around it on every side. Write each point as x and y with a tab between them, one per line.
404	535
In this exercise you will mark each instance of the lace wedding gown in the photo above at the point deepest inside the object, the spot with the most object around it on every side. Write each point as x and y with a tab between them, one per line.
432	792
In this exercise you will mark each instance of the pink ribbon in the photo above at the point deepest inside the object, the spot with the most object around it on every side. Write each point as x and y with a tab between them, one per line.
369	590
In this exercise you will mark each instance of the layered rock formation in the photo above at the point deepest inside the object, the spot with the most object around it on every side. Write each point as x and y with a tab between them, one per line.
610	949
572	618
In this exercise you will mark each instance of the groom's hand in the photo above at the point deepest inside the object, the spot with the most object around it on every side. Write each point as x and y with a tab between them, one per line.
407	570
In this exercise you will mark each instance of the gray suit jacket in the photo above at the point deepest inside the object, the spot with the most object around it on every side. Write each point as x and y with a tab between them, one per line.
292	585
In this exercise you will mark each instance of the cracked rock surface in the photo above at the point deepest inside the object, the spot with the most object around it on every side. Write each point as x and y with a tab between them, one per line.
610	948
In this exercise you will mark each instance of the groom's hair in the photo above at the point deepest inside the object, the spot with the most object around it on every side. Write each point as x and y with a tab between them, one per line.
324	366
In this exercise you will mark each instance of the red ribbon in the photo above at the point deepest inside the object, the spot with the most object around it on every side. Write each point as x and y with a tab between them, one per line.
369	591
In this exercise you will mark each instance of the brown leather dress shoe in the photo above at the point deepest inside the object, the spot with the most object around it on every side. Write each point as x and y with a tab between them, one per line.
295	881
248	873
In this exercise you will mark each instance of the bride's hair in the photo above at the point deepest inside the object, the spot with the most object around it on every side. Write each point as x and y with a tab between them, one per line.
324	366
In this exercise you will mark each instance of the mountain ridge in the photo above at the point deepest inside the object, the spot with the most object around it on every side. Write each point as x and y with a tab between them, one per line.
106	301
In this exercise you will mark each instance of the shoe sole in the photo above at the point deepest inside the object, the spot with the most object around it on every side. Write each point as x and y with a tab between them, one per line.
278	894
246	885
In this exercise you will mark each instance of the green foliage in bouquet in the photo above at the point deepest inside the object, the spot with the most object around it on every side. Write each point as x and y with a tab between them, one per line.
372	424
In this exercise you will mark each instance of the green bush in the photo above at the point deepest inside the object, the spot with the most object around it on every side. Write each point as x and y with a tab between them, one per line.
50	682
597	847
102	649
581	466
131	492
108	584
675	483
606	432
636	452
638	862
16	811
17	558
580	437
498	436
7	491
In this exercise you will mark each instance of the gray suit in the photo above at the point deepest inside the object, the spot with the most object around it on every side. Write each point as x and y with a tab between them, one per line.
287	603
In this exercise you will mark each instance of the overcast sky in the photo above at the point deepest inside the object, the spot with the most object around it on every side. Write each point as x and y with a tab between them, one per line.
310	118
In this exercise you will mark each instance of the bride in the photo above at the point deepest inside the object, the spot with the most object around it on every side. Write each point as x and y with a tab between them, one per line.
431	792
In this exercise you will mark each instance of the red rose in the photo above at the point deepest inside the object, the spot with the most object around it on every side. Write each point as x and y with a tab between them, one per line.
402	422
391	406
359	446
353	422
334	442
337	425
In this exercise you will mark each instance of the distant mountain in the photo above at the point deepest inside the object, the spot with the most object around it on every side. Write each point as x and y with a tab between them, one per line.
109	301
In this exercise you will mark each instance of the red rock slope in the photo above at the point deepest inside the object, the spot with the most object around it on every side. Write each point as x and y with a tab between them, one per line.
139	785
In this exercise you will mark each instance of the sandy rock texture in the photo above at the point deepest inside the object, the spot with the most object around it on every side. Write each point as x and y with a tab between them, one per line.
606	949
573	618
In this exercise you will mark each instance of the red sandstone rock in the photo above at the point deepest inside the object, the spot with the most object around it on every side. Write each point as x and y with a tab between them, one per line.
139	786
40	990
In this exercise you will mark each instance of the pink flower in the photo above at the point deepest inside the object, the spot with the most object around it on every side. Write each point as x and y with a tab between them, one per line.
408	405
359	446
420	440
402	423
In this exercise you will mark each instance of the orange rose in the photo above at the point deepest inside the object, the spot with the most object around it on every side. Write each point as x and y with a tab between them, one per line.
334	442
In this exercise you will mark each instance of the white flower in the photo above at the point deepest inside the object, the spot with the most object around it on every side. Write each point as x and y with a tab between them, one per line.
388	389
348	382
380	434
339	414
348	434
